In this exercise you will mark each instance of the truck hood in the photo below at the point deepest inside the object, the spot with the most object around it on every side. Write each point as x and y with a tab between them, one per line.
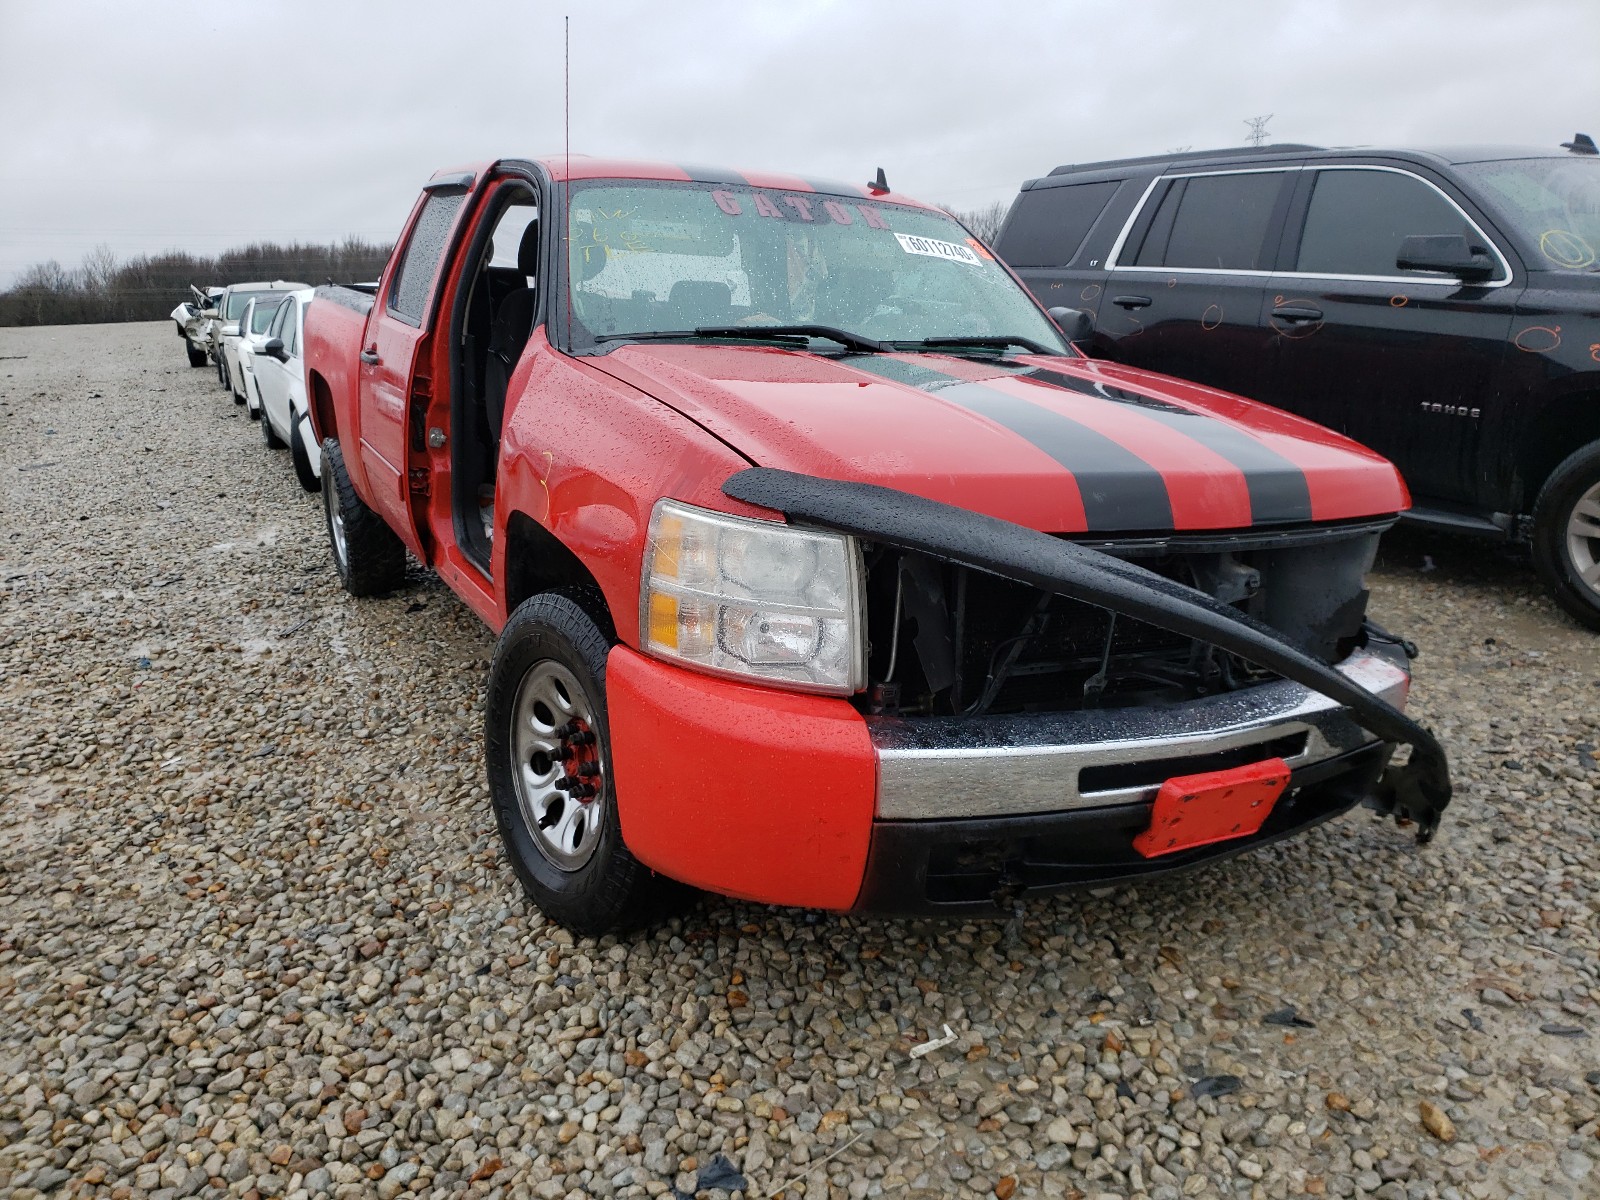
1063	445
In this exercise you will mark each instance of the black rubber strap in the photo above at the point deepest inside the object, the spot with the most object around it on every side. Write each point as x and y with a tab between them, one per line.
1418	790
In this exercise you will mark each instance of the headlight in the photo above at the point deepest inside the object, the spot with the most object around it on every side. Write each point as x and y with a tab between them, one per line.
753	599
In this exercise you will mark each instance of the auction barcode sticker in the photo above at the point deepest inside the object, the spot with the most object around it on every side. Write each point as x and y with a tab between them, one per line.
937	249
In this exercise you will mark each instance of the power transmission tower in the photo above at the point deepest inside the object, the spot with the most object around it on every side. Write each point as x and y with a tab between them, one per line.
1258	129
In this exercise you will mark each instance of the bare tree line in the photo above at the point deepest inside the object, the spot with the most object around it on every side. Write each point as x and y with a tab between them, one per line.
146	287
985	221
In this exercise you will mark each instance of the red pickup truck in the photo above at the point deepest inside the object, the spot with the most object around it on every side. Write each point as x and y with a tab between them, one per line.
826	572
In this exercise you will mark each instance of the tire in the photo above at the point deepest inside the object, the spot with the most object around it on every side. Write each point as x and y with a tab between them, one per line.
370	558
197	358
549	676
302	460
1566	535
268	433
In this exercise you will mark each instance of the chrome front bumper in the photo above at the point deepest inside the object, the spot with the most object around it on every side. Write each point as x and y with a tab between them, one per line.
943	768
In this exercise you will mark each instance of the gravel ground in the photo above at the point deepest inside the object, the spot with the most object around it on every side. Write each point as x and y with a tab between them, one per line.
257	937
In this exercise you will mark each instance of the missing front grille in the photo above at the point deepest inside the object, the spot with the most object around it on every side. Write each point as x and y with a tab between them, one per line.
1153	772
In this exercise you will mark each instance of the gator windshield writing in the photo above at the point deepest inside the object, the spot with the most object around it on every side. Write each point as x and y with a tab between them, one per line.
650	257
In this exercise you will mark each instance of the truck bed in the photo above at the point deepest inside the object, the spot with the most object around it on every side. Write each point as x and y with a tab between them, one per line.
334	325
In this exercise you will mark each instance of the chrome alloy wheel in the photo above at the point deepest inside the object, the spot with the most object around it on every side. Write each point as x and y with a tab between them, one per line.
561	789
330	502
1583	538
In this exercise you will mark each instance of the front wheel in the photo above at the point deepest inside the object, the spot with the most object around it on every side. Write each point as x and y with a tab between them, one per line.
547	746
1566	535
369	557
197	358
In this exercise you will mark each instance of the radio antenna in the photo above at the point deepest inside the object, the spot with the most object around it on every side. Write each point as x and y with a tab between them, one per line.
566	181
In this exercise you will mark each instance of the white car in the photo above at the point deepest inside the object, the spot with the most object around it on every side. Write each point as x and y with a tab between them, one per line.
194	319
253	322
280	380
225	337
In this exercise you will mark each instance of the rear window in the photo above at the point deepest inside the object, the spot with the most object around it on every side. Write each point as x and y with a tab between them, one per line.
1048	225
1212	222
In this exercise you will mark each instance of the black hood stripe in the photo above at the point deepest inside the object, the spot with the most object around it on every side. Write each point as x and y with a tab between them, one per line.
1277	487
1120	490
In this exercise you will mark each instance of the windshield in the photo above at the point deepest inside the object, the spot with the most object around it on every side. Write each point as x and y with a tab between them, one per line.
261	316
653	257
1554	203
234	309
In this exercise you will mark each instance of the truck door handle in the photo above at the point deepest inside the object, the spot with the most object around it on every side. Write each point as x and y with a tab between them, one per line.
1297	313
1131	301
370	356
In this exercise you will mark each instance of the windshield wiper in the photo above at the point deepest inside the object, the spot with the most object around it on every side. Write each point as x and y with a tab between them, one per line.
998	341
850	341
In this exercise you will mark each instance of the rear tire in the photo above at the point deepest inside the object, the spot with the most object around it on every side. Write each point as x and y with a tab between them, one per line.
370	558
268	433
1566	535
547	693
197	358
302	460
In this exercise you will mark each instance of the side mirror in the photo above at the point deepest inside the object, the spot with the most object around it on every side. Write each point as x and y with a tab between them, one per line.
1075	323
1447	253
274	349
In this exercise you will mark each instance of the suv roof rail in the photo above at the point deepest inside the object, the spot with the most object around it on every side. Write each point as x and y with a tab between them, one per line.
1185	155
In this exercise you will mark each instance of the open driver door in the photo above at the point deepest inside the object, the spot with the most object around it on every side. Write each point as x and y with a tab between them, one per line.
396	361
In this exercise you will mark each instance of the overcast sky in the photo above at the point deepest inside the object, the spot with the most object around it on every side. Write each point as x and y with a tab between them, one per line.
201	126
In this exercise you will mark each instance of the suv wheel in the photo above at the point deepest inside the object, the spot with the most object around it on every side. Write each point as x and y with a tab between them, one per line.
547	748
1566	535
197	358
370	559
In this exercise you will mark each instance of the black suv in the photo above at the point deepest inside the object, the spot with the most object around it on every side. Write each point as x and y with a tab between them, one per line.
1440	306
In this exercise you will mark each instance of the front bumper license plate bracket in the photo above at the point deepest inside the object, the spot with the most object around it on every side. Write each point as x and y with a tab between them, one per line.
1216	806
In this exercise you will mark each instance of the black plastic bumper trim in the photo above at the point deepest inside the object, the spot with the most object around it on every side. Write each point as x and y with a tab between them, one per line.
978	868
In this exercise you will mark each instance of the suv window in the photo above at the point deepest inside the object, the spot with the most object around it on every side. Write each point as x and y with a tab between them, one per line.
1048	224
408	294
1357	220
1215	222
